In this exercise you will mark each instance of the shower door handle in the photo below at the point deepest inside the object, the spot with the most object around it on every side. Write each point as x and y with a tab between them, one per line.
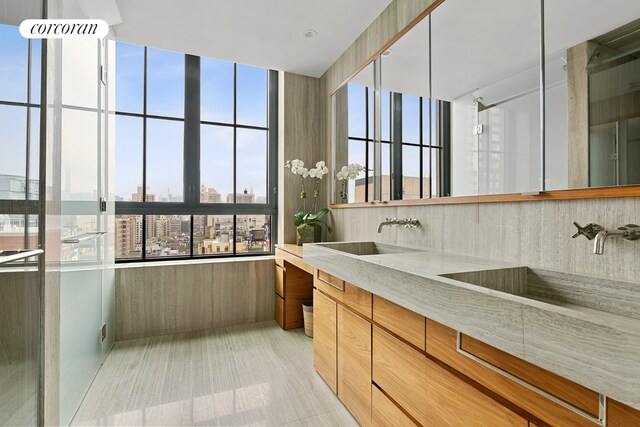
9	256
82	237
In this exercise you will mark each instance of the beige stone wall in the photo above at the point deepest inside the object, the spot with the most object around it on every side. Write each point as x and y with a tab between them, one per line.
166	298
301	137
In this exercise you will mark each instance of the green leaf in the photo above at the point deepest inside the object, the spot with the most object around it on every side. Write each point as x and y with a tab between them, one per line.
310	218
299	218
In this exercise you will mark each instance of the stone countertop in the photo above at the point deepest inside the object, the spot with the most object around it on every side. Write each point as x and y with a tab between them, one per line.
592	345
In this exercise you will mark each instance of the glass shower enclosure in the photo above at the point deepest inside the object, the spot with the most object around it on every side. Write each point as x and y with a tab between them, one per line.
20	250
57	277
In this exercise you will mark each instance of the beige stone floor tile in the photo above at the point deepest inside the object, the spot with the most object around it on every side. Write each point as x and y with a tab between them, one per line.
254	374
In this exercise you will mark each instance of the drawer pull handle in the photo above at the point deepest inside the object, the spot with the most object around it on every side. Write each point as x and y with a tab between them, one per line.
601	419
330	284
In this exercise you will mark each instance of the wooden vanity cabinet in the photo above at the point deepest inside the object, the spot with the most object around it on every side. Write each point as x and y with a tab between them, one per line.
428	392
442	344
325	338
354	364
391	366
620	415
385	413
356	299
404	323
342	343
294	285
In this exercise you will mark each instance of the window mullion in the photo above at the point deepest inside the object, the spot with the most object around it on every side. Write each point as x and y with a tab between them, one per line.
422	148
396	145
191	169
235	133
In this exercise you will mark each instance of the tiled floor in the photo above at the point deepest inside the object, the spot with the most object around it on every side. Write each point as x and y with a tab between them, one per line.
245	375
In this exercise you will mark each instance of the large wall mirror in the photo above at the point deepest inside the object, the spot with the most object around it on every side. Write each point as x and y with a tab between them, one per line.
466	106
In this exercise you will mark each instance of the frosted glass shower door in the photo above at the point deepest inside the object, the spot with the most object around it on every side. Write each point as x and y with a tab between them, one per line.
86	288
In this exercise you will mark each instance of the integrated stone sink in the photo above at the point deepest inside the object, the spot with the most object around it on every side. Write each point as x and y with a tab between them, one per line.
571	291
582	328
366	248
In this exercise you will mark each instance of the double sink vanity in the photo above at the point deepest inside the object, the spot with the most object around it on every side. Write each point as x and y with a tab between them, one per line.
421	337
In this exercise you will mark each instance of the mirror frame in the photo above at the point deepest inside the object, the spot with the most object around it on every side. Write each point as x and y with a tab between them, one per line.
568	194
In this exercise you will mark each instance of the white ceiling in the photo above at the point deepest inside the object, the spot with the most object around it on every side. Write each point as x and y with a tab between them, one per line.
265	33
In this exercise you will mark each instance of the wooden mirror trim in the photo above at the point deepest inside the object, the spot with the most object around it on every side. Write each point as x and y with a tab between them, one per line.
576	194
570	194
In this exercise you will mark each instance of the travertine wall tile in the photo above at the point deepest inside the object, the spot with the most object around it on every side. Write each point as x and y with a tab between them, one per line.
164	299
300	137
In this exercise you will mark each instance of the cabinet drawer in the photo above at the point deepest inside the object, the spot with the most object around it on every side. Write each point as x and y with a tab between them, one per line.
619	415
280	273
386	413
353	297
325	338
280	311
442	344
401	372
354	364
430	393
404	323
331	280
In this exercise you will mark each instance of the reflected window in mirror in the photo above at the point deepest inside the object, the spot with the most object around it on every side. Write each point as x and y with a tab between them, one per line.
470	106
412	147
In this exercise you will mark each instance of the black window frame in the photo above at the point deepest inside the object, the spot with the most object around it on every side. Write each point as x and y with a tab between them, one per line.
28	207
441	145
191	205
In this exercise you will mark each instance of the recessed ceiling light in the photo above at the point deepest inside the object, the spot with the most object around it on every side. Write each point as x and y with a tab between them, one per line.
309	34
387	52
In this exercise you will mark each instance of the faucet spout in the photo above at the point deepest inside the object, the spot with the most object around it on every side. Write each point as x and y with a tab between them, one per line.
627	232
389	221
598	244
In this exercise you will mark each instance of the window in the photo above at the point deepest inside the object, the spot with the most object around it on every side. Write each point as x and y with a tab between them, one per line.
19	138
195	157
409	125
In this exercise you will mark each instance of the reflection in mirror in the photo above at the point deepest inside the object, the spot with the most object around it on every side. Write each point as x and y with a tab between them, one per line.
486	65
411	147
592	91
462	108
352	118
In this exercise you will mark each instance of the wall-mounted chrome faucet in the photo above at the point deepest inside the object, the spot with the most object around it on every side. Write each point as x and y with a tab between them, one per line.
406	222
600	234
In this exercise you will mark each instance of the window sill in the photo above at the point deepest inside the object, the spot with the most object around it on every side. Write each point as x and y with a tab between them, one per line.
192	261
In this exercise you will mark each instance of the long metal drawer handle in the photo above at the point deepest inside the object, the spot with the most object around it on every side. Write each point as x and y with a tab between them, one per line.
82	237
601	419
20	254
330	284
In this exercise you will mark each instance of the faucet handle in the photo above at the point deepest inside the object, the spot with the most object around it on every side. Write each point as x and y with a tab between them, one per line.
589	231
632	231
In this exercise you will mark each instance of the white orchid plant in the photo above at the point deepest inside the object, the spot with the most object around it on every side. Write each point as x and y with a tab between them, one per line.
350	171
298	168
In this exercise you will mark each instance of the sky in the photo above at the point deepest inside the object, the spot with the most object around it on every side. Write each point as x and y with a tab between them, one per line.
164	138
13	87
165	97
